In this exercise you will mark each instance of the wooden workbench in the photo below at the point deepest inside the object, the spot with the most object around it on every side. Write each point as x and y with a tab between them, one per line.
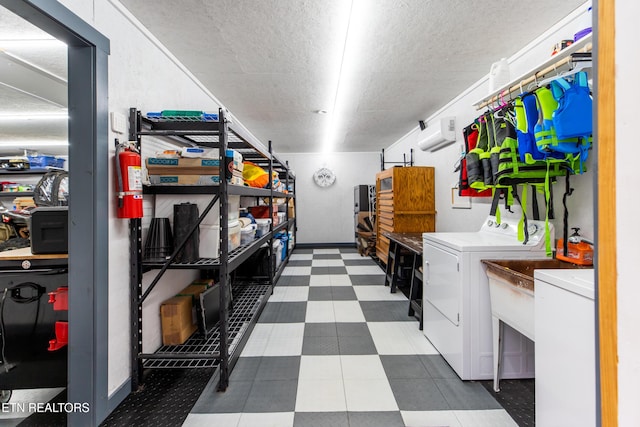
411	245
23	259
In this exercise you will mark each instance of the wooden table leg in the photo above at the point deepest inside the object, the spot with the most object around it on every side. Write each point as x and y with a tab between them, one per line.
389	278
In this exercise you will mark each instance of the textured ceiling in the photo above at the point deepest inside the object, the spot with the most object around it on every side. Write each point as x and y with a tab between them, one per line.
273	63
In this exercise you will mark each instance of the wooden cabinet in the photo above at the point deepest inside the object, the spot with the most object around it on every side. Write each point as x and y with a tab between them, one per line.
405	203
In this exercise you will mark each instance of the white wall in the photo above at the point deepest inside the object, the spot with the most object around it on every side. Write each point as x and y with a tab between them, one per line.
449	219
326	215
142	76
627	208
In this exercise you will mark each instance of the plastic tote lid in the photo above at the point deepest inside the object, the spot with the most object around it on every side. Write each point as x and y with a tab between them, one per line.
249	228
244	222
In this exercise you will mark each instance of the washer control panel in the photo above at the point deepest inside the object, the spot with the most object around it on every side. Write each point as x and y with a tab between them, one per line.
508	227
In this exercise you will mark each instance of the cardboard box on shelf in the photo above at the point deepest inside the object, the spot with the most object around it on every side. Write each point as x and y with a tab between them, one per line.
177	320
292	209
182	166
234	160
195	288
23	202
184	179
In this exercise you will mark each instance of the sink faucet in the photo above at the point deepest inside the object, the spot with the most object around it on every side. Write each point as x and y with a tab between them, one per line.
577	238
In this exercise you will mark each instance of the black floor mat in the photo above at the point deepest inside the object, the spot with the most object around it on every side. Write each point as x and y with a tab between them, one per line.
48	419
517	397
165	399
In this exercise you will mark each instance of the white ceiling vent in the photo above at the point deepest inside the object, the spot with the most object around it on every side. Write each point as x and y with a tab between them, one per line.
441	134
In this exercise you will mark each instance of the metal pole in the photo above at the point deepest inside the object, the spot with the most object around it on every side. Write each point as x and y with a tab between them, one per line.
224	256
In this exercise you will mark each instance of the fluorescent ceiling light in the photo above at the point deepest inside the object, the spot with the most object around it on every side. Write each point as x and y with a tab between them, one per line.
33	116
31	44
349	60
34	143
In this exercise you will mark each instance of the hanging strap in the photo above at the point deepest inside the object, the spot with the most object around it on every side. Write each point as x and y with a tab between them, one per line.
567	192
547	198
495	210
549	204
534	203
523	230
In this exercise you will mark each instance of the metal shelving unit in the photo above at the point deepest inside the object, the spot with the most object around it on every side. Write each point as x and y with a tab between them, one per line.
32	171
222	348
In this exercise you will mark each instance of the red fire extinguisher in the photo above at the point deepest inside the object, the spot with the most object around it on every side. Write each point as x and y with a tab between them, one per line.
129	171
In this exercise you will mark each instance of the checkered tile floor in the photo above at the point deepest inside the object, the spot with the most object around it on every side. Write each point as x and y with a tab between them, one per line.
333	347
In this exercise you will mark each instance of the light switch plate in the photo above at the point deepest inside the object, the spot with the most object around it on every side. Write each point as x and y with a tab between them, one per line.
118	122
458	202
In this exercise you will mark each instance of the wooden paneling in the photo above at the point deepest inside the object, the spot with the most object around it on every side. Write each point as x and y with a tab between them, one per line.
414	223
409	207
420	180
606	227
382	247
386	220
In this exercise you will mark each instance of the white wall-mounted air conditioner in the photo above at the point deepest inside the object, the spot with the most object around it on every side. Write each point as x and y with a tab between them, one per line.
443	133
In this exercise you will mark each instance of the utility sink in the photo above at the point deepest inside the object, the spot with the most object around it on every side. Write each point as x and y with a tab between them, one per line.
511	288
519	272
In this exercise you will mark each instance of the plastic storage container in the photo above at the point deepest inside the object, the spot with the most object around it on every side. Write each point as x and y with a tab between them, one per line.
259	211
247	234
262	226
210	239
45	161
283	237
277	246
499	75
235	234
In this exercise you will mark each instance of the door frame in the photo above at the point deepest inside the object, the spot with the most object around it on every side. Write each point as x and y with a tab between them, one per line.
88	52
606	228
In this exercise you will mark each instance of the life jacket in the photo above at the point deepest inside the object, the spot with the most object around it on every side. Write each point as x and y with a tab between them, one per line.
496	163
470	134
573	118
474	156
526	117
547	139
483	160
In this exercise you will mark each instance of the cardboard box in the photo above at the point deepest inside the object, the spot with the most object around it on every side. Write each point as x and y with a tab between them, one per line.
23	202
177	320
196	288
292	209
184	179
183	166
234	160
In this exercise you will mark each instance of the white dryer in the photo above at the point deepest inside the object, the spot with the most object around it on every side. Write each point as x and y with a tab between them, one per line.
456	302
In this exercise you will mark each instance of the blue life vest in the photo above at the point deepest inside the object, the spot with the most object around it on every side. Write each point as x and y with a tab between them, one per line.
573	118
526	118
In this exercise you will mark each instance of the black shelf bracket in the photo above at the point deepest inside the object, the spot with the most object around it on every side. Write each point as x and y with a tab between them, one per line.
404	162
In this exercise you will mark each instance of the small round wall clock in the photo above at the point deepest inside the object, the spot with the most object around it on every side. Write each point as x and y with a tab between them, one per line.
324	177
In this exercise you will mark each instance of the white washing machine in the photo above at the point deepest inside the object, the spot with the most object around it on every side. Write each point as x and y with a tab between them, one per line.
456	302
